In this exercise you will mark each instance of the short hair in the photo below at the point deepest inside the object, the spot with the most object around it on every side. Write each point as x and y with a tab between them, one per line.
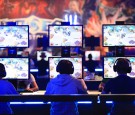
65	67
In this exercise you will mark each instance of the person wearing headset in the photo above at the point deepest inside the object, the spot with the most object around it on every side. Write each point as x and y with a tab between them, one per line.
122	84
6	88
64	83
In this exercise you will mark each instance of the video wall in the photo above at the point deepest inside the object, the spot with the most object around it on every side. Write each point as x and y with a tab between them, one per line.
92	14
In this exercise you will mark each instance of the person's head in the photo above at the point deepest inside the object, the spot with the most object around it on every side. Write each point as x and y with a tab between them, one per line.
43	55
90	56
122	66
2	71
65	67
74	5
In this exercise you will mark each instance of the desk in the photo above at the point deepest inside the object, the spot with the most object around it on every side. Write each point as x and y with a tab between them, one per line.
41	92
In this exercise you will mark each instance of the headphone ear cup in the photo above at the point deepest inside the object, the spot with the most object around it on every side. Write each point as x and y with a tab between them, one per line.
129	70
114	68
57	68
72	71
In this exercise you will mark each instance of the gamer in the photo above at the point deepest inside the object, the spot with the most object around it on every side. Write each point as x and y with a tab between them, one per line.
64	83
6	88
122	84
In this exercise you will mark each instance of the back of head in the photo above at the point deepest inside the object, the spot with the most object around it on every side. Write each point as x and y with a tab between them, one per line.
43	55
90	56
2	71
65	67
122	66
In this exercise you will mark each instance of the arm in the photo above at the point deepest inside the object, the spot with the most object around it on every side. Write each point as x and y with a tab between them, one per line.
34	86
82	88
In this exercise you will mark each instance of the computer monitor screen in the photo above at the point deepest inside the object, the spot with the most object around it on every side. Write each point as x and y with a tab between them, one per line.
118	35
77	62
65	35
16	68
109	63
95	55
14	36
47	53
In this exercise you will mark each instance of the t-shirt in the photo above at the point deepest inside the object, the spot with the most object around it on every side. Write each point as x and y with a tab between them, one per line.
121	85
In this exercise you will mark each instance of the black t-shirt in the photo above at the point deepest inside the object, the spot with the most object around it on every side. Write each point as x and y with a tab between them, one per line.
42	65
120	85
90	65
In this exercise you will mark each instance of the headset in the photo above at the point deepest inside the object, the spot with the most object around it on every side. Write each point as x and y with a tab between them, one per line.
65	67
2	70
127	69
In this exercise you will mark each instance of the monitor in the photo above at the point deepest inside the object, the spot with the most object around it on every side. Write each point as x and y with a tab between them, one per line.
14	36
118	35
109	63
65	35
47	53
95	55
77	62
16	68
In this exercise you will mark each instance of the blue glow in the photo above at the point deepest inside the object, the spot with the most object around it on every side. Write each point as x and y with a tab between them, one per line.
80	102
85	69
26	102
109	101
84	102
33	70
36	70
98	69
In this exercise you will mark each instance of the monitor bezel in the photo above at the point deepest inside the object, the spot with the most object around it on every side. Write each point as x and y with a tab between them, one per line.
19	58
17	46
61	45
67	59
114	45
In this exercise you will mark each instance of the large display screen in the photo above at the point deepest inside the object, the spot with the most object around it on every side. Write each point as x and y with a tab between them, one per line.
109	63
14	36
118	35
61	35
16	68
77	62
95	55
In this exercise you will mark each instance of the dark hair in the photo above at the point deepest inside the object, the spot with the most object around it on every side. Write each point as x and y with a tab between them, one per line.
122	65
65	67
90	56
2	70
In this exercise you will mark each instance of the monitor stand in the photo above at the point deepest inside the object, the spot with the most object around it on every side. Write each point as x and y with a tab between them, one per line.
65	52
120	51
12	52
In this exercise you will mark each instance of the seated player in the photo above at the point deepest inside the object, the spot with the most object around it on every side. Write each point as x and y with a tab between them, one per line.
122	84
6	88
64	83
28	85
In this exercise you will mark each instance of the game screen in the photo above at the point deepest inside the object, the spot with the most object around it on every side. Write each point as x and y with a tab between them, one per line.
14	36
16	68
47	53
108	66
118	35
65	35
95	55
77	62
